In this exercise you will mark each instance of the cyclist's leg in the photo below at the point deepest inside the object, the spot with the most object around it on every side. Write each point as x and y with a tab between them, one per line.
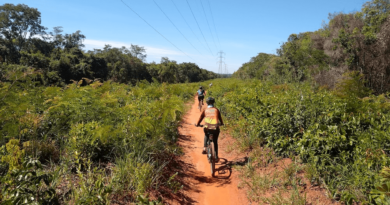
206	138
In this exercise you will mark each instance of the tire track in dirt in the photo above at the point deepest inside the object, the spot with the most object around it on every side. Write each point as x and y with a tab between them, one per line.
199	187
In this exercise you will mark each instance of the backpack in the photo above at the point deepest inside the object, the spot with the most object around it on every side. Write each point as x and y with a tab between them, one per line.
200	92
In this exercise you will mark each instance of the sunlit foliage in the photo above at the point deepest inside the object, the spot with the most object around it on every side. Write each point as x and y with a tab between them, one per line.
342	135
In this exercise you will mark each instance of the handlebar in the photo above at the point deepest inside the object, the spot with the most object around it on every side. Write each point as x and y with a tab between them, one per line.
203	125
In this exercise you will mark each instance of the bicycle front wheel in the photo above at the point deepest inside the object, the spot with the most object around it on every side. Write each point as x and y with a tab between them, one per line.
212	159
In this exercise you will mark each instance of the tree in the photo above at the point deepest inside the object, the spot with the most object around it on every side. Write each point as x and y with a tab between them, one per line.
122	65
74	40
138	52
374	13
18	24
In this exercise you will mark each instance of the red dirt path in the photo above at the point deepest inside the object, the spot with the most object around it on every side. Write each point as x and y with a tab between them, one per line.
194	170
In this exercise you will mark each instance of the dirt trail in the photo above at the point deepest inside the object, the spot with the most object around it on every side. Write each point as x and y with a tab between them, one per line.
194	170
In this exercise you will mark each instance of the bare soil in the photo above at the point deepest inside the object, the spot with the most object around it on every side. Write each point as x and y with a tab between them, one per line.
194	170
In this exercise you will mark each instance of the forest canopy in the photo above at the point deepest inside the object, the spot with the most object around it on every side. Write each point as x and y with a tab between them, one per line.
348	42
57	58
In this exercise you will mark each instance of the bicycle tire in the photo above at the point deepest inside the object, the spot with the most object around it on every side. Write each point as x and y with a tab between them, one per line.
212	159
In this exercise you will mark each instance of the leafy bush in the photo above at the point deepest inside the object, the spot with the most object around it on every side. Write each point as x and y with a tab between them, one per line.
92	188
99	127
27	185
343	137
381	195
13	155
352	86
89	141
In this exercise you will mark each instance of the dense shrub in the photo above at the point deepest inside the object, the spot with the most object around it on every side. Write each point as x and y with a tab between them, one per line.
344	138
85	131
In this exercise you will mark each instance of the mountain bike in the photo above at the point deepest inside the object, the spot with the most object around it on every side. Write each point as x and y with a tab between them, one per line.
210	153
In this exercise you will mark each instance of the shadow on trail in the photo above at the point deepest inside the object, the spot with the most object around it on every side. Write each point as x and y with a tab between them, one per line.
185	171
186	138
223	172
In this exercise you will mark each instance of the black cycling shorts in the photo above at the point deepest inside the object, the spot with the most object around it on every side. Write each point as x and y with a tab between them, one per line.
200	97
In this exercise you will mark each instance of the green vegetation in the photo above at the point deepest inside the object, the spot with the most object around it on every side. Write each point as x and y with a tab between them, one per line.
349	42
342	137
341	134
97	141
103	123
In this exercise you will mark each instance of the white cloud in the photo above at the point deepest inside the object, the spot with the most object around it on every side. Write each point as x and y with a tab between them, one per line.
152	52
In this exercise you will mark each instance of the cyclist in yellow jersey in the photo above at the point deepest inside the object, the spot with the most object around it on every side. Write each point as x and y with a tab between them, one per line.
213	119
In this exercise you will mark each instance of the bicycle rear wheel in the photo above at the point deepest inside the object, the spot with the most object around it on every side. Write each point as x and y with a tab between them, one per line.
212	159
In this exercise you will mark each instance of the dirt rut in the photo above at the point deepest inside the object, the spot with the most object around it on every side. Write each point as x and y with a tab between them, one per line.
194	170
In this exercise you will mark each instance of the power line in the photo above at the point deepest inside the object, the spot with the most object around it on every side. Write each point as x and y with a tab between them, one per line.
212	17
187	23
199	28
176	27
208	24
156	30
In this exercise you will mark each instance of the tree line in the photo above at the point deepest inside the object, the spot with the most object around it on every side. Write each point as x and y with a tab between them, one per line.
356	42
56	58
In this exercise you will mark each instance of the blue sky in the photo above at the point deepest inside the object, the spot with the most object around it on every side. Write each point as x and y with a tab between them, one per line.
242	28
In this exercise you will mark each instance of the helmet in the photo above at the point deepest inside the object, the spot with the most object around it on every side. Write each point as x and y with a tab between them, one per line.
210	101
200	87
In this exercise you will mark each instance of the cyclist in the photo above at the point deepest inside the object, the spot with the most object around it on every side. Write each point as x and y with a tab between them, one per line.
213	120
201	94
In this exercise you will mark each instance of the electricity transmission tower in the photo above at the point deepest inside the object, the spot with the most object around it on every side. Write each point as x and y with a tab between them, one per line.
221	57
226	71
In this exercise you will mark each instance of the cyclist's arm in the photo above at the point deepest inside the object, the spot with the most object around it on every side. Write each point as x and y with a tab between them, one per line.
200	118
